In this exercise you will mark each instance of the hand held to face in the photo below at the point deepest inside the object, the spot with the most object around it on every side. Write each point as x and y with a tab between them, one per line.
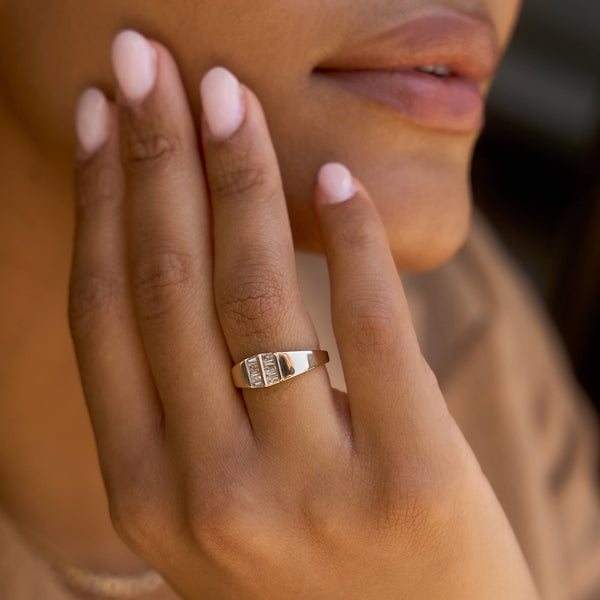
183	266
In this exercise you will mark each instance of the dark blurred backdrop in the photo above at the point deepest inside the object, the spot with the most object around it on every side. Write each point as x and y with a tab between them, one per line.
536	172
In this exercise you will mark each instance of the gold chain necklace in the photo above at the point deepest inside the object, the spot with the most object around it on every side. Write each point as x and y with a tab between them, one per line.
93	583
104	585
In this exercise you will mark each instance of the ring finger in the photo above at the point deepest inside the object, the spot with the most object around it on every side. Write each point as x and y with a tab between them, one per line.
256	289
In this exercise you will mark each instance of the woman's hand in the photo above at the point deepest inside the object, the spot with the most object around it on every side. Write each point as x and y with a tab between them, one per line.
292	491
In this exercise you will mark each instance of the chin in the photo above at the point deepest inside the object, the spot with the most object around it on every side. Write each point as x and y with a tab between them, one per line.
418	178
427	220
425	206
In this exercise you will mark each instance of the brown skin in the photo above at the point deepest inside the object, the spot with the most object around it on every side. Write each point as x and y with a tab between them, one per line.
47	453
273	493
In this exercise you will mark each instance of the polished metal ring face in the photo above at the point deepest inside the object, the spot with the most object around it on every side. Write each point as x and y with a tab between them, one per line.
271	368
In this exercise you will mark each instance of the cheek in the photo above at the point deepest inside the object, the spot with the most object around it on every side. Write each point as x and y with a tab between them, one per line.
55	57
505	14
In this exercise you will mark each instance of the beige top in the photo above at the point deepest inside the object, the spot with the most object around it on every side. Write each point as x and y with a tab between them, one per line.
507	383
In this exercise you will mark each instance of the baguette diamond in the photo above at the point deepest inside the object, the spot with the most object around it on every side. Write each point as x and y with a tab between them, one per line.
254	372
271	368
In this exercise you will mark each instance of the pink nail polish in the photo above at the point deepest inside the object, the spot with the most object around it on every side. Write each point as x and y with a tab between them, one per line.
335	183
134	64
91	122
221	102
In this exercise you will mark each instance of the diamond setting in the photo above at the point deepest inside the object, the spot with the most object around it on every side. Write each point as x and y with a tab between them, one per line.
270	369
254	372
263	370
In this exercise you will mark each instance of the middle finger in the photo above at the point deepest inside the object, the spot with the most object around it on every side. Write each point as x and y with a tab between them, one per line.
170	251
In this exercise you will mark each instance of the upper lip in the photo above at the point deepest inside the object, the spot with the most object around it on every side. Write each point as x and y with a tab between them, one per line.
466	44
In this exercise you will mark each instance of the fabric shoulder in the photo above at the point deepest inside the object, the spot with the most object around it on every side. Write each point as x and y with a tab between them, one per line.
510	385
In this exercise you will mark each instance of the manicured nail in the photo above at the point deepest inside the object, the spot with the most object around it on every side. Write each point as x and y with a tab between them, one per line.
91	122
222	104
134	63
335	183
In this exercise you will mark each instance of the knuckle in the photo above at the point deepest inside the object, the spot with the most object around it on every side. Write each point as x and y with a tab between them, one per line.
373	322
134	516
255	305
159	279
147	149
359	233
99	185
412	510
89	296
418	506
225	522
240	176
327	519
402	511
218	528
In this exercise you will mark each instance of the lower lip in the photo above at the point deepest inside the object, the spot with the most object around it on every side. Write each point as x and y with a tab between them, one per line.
445	103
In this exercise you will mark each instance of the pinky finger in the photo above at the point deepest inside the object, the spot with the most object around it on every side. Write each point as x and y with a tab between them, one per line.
119	391
392	393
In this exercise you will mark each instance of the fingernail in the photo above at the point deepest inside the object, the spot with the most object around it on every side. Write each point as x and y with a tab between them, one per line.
335	183
91	122
134	63
222	104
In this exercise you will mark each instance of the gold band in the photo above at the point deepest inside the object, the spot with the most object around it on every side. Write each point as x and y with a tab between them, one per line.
271	368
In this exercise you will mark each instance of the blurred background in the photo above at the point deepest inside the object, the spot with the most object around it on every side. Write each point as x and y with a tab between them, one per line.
536	172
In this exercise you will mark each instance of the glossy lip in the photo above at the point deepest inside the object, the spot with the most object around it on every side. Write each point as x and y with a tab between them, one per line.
383	68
